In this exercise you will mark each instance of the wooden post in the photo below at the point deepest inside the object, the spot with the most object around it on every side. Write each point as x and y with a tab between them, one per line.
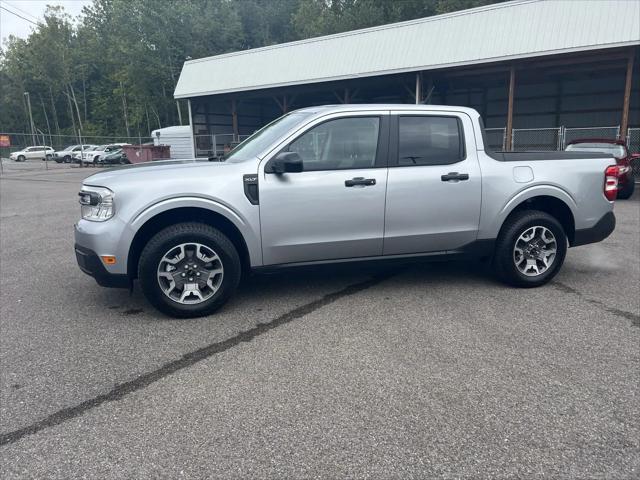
418	93
484	104
512	84
559	91
234	118
624	123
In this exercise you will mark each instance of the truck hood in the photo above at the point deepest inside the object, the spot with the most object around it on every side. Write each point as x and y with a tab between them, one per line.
155	171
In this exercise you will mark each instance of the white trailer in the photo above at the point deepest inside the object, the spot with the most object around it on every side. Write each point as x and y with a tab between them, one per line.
177	137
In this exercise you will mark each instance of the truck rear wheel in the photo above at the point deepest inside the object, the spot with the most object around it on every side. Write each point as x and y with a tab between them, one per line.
530	249
627	191
189	270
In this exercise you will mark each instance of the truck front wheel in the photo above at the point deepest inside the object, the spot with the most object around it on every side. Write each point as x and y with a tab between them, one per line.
189	270
530	249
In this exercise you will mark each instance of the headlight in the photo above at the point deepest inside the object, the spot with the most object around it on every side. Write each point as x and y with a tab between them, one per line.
96	203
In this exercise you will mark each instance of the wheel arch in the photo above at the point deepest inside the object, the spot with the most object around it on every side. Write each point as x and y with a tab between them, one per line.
551	204
169	217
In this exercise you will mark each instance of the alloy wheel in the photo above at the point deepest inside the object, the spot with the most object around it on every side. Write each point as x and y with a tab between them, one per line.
190	273
535	251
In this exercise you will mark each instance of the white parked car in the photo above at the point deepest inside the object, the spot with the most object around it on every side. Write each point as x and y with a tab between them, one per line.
97	154
42	152
68	153
77	155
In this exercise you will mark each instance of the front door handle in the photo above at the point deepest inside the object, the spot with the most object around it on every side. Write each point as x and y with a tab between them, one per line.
365	182
454	176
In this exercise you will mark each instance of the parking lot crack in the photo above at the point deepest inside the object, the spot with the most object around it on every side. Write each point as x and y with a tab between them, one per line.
187	360
633	317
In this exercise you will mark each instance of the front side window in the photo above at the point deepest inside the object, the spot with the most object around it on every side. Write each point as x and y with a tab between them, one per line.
343	143
263	138
429	140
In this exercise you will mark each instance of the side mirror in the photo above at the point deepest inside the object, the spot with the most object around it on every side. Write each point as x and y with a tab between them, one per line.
285	162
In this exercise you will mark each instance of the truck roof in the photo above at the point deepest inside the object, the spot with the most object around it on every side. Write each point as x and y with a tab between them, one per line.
350	107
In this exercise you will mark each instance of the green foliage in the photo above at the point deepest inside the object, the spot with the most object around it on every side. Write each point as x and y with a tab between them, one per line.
126	55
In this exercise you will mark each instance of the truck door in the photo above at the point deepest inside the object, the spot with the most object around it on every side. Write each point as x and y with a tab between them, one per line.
334	207
434	183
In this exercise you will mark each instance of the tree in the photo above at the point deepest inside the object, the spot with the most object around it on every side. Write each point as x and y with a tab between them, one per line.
114	70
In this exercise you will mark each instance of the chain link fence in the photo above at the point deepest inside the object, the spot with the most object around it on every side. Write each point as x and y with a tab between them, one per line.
633	144
216	145
538	139
571	134
496	138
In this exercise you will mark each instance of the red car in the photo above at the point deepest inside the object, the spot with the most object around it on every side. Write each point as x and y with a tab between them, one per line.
617	148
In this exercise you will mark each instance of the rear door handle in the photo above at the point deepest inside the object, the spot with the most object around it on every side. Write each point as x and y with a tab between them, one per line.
454	176
365	182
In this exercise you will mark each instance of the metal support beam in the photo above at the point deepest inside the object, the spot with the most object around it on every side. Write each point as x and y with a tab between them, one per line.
418	94
342	98
624	122
193	138
512	85
285	103
430	89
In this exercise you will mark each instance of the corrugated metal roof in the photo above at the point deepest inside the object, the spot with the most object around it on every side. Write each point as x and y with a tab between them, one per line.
498	32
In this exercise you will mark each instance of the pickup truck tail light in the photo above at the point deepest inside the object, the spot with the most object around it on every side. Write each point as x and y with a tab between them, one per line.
611	182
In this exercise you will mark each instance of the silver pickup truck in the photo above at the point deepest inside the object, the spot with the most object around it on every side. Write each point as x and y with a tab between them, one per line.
335	184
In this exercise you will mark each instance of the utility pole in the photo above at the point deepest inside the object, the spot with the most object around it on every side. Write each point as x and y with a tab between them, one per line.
33	134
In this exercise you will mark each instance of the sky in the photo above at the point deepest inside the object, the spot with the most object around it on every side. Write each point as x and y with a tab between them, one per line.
12	24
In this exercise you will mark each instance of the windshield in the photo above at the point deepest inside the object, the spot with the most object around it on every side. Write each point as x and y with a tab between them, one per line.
264	137
607	148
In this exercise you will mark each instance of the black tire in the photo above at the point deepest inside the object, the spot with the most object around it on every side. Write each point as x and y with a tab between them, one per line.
172	236
67	159
503	261
48	157
21	158
58	160
627	191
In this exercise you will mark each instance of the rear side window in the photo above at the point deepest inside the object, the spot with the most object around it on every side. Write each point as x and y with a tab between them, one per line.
429	140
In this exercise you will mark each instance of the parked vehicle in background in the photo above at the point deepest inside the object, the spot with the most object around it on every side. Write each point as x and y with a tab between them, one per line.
76	157
341	183
96	154
66	155
178	138
41	152
617	148
115	157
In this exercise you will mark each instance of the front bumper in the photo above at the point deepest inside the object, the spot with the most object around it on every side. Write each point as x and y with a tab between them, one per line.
601	230
90	263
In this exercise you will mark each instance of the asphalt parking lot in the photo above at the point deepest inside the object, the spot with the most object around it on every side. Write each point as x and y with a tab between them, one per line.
389	372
